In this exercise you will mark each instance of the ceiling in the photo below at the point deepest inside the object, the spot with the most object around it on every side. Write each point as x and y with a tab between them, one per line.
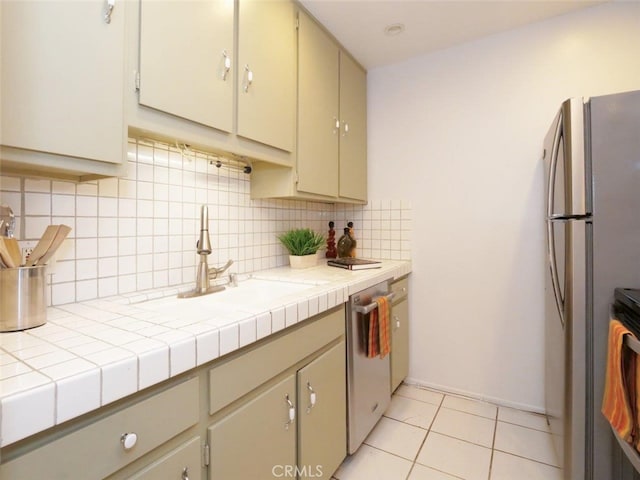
430	25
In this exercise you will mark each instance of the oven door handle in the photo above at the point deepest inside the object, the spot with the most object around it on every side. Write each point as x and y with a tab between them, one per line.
364	309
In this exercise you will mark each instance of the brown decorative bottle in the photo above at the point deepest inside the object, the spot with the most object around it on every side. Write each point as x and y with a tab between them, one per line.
354	242
344	244
331	242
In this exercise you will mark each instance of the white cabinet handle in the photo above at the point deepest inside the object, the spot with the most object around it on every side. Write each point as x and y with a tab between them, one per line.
336	125
346	129
312	397
109	10
129	440
185	473
248	78
292	412
227	65
397	320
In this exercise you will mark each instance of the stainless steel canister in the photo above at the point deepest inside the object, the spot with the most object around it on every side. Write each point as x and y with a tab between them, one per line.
22	298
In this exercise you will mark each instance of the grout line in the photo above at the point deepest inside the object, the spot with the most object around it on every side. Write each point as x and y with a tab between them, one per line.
413	464
493	441
526	458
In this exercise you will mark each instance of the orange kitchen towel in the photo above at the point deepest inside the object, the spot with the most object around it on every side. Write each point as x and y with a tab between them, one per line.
384	326
372	344
616	404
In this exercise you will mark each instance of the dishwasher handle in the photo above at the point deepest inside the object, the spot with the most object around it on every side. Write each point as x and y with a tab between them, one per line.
364	309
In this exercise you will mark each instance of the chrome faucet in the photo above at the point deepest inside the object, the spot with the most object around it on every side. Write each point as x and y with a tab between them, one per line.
204	274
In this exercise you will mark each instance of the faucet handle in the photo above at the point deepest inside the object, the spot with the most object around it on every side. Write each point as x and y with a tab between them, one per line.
214	272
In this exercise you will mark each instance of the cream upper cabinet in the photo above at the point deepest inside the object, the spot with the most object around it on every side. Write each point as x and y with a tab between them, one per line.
62	80
216	74
332	117
353	129
186	59
267	72
331	142
318	110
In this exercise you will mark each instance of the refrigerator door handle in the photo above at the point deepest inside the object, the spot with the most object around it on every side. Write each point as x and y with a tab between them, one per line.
551	249
553	264
551	181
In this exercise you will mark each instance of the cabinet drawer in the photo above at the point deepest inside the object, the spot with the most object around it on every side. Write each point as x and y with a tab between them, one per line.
248	369
181	463
401	289
97	450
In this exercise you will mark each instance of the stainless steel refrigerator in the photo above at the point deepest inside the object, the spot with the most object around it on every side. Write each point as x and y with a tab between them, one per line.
592	166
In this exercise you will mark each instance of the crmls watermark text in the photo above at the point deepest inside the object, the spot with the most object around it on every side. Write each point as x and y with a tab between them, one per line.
292	471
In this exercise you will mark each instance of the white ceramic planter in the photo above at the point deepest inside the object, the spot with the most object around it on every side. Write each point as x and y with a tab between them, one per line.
304	261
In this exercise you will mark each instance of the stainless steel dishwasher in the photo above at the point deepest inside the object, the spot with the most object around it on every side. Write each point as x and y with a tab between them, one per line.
368	379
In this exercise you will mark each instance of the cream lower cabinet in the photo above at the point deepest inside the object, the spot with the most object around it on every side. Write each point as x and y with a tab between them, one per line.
183	463
104	446
274	409
322	415
399	333
257	440
279	410
304	412
62	88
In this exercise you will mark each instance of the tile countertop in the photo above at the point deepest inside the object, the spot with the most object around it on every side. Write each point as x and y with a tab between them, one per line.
92	353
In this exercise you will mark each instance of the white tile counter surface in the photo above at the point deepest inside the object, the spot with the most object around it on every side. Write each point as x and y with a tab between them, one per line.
90	354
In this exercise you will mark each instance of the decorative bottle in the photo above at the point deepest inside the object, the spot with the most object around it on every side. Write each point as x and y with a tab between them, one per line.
344	244
331	242
354	242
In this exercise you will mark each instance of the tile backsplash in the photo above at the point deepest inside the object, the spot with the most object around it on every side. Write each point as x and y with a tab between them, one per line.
139	232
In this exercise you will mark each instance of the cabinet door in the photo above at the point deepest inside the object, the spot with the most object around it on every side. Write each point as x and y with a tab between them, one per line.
399	343
267	72
62	78
322	419
186	53
181	463
353	131
318	116
257	440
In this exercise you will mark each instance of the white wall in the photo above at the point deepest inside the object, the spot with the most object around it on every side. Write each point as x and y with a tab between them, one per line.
458	133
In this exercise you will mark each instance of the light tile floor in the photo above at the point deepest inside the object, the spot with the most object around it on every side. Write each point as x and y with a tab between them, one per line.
429	435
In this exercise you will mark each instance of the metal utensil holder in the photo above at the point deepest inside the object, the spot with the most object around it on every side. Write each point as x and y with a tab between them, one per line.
22	298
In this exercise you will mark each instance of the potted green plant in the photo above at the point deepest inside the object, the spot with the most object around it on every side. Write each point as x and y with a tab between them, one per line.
303	245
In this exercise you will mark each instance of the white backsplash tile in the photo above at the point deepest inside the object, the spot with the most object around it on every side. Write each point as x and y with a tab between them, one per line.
139	232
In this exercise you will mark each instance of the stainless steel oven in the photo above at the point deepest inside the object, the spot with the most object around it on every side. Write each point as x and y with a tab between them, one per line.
368	379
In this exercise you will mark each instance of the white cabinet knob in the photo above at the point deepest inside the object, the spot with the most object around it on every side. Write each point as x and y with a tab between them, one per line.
129	440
